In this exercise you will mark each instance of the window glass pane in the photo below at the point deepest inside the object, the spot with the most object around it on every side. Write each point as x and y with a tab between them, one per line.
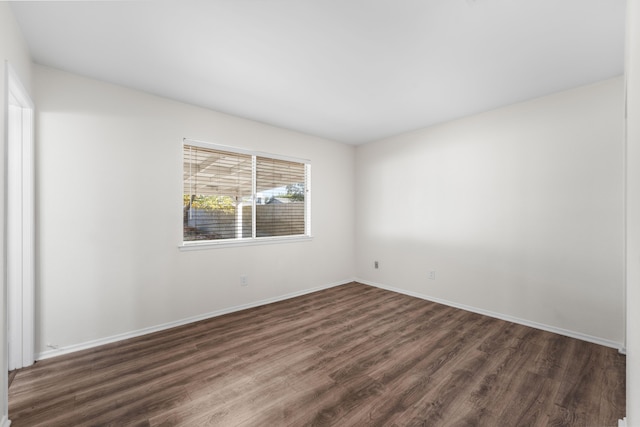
217	194
280	197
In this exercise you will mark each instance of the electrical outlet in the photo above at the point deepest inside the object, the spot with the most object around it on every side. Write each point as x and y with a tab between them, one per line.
244	280
375	264
432	275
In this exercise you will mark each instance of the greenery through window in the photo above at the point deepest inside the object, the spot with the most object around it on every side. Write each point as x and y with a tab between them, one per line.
241	195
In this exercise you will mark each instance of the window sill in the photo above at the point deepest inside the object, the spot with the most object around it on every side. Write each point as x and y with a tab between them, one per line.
209	244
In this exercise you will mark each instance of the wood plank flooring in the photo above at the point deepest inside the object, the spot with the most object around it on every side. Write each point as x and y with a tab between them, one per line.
352	355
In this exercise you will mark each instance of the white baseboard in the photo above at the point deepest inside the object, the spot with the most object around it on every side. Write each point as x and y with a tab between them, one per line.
5	422
114	338
536	325
622	422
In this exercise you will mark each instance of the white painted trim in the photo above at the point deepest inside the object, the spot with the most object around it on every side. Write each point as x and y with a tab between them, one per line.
622	422
536	325
28	237
20	222
114	338
247	241
5	422
14	245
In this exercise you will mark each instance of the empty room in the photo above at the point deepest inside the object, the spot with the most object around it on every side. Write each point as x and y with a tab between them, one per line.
301	212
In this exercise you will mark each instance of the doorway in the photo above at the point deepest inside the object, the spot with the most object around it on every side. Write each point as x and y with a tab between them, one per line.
20	224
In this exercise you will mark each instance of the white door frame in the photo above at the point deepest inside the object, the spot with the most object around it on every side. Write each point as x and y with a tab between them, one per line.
20	223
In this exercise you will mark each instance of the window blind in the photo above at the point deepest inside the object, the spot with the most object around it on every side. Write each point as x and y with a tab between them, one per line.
217	191
283	213
240	195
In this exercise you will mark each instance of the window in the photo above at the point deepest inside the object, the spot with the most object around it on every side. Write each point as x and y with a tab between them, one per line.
238	195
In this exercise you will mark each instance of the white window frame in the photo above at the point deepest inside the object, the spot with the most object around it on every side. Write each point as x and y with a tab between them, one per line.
208	244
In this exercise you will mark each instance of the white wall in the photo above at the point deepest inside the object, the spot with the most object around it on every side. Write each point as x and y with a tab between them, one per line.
633	212
13	50
109	197
518	210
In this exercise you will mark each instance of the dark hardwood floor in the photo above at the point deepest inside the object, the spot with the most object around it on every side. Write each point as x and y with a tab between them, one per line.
352	355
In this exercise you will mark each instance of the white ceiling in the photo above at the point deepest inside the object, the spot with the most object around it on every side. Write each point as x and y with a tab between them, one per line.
349	70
